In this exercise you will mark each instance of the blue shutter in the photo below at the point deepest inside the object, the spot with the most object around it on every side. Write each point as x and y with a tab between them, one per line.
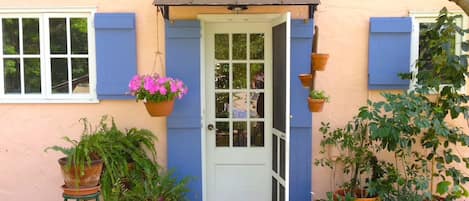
389	52
184	125
116	54
301	122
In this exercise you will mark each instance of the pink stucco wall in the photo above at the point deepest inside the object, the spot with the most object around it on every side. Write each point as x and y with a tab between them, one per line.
26	172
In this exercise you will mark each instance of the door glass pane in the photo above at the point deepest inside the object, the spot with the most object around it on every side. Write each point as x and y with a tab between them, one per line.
59	74
222	76
239	105
80	75
79	35
10	36
12	75
239	46
257	134
240	134
58	35
274	153
282	158
281	193
274	189
257	105
239	76
222	46
31	36
222	103
32	75
256	46
257	76
222	134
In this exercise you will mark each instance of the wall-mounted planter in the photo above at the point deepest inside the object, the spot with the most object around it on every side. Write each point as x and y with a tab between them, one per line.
306	80
160	109
319	61
316	105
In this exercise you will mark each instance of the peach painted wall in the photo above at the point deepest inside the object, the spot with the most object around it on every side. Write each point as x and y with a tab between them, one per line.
344	27
26	172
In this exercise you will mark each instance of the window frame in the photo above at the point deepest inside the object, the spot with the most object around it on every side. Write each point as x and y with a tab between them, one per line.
46	95
430	17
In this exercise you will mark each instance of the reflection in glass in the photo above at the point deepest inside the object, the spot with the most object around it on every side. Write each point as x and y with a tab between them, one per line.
257	134
239	76
257	105
10	36
222	76
59	75
58	35
32	75
256	46
12	75
222	134
239	46
79	35
257	76
240	105
80	75
31	36
222	101
240	134
222	46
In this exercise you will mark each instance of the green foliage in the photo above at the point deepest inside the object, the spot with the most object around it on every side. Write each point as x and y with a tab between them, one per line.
128	158
315	94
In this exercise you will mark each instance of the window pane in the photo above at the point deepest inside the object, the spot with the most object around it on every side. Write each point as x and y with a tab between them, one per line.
10	36
222	46
256	46
32	75
222	103
239	46
282	158
257	105
274	153
222	76
79	35
59	74
274	189
31	36
257	134
240	134
80	75
257	76
58	35
239	76
12	75
222	134
240	105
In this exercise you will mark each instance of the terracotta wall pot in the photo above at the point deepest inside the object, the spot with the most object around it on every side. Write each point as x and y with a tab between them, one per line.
160	109
89	179
319	61
306	80
315	105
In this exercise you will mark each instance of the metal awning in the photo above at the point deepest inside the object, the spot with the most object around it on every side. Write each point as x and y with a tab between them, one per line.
163	5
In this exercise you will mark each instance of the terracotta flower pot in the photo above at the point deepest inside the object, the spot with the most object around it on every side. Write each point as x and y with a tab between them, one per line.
357	195
319	61
315	105
80	191
160	109
306	80
89	179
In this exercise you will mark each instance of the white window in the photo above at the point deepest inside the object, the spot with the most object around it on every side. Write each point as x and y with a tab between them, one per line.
421	20
47	57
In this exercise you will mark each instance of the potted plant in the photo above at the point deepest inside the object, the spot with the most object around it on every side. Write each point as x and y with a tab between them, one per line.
356	156
316	100
306	80
157	92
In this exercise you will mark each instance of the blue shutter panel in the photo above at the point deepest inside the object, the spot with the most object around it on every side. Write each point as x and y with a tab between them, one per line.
389	52
116	54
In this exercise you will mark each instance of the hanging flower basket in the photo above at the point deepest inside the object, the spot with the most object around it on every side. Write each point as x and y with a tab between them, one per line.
157	92
160	109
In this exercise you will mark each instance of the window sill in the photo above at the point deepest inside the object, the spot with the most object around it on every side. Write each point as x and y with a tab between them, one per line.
49	101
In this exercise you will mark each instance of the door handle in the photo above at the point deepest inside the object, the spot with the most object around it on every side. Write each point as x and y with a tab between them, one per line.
210	127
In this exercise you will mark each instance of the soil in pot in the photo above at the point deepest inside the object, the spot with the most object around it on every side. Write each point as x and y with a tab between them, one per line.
319	61
160	109
306	80
316	105
90	178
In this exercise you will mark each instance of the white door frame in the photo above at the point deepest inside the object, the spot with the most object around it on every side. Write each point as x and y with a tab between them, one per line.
206	18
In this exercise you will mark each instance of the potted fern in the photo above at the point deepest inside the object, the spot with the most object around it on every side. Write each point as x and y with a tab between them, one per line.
316	100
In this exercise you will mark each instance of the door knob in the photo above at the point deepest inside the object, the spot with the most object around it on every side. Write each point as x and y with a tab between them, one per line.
210	127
